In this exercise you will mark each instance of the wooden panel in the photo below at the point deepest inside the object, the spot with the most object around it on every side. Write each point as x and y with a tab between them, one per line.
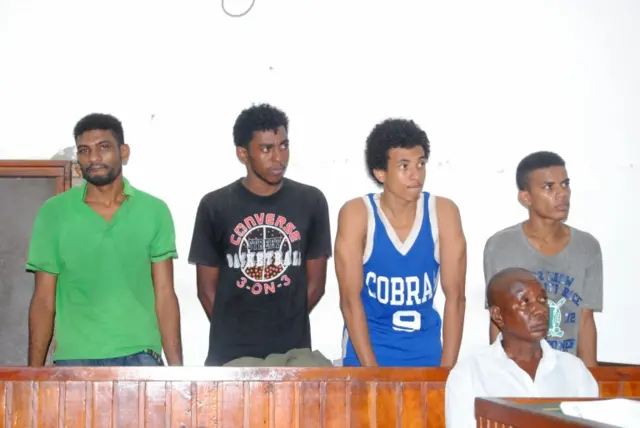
526	413
617	381
198	397
24	187
62	171
222	397
35	164
21	199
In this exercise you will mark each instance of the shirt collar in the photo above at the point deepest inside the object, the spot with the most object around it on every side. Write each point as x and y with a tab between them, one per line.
548	356
128	189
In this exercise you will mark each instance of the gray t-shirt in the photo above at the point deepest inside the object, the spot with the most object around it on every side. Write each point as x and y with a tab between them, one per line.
573	277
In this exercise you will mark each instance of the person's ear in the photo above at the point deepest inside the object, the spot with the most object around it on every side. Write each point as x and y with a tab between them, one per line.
496	316
125	152
380	175
524	197
242	154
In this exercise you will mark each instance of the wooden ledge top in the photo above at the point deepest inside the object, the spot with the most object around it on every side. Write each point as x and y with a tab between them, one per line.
267	374
222	374
29	163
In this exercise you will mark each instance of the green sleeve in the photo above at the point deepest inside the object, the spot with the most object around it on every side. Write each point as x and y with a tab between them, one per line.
163	246
43	247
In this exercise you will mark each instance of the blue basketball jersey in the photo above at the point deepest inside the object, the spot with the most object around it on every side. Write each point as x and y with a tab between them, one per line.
400	282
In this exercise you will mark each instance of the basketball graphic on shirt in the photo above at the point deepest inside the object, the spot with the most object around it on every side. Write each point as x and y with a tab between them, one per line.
264	251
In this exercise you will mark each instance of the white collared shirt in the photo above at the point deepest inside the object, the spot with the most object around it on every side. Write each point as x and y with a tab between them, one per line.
491	373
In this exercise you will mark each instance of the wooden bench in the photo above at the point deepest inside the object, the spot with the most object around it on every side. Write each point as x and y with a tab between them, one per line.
239	398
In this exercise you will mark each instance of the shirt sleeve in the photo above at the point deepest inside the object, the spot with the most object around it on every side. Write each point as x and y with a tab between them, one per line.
43	255
163	246
204	242
320	231
459	400
592	294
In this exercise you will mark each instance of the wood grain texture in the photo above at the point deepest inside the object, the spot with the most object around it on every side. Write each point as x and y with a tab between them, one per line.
201	397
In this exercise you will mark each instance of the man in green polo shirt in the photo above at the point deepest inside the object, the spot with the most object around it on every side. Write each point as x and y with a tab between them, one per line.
103	255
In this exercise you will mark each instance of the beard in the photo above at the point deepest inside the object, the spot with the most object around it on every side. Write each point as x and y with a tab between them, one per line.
101	180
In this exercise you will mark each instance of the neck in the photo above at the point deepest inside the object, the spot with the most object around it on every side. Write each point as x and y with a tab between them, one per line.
544	228
260	187
108	193
520	350
398	208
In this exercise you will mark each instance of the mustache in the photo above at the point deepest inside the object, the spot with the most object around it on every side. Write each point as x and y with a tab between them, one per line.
96	166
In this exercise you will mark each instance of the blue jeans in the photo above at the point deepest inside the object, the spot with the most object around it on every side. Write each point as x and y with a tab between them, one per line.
144	358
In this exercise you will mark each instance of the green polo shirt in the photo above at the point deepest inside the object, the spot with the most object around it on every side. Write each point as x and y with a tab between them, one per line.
105	301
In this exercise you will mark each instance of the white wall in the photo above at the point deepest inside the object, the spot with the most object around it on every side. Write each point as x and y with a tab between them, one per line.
489	81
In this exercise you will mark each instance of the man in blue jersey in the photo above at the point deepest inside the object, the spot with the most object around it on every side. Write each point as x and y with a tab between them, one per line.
390	250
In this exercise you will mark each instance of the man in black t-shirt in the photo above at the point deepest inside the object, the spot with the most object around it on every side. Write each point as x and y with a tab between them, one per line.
261	246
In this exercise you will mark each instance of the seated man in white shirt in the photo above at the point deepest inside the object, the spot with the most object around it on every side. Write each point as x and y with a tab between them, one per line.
520	363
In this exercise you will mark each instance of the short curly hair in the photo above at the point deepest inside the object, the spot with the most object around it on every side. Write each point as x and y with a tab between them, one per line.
262	117
535	161
102	122
391	134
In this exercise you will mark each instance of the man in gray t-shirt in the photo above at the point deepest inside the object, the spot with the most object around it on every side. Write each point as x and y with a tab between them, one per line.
567	260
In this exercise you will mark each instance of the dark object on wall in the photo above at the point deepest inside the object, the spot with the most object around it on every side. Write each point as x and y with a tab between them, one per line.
24	187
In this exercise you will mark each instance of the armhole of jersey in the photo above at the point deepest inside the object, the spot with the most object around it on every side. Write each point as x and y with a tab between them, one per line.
371	226
433	218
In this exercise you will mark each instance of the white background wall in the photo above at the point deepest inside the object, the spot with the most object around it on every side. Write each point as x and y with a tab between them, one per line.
489	81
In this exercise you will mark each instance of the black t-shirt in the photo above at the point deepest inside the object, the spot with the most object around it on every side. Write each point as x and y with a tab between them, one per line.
261	245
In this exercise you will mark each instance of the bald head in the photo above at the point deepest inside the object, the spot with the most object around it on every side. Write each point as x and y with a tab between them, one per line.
500	285
518	305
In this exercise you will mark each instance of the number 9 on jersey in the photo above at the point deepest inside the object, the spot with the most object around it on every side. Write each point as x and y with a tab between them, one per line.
408	321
